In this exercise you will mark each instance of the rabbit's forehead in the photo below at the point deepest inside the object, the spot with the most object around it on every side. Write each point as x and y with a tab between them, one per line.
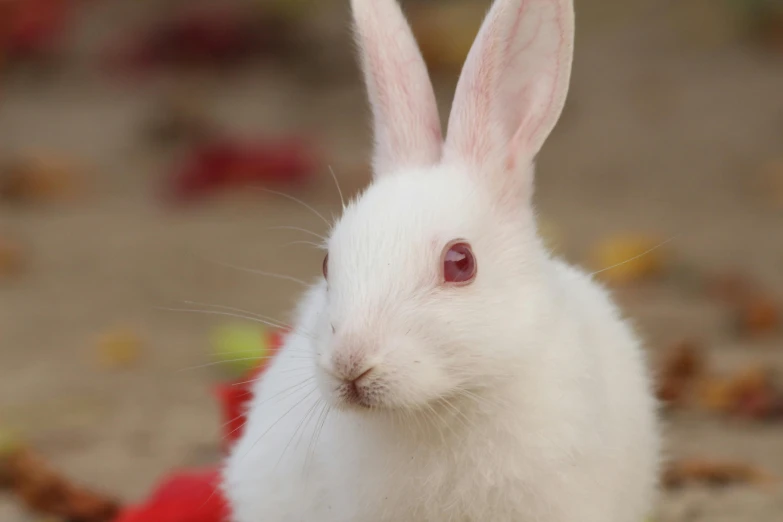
410	211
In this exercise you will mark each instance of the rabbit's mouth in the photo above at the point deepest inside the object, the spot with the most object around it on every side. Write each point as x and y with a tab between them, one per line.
351	395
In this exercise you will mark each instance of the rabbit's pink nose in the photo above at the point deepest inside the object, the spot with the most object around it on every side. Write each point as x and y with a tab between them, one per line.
352	372
349	365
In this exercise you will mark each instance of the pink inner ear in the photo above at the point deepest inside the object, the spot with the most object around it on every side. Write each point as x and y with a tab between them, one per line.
413	108
514	83
528	132
407	126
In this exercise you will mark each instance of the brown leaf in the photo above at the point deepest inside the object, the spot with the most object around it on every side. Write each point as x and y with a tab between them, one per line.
119	348
12	259
715	394
713	473
756	316
750	394
39	178
682	365
46	492
769	26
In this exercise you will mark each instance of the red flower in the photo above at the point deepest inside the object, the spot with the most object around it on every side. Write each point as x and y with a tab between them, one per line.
34	26
188	496
225	162
195	496
233	401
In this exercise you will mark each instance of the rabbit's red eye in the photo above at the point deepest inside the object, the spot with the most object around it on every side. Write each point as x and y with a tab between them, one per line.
325	267
459	264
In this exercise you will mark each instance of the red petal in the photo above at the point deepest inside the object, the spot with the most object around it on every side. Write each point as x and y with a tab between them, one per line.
233	402
189	496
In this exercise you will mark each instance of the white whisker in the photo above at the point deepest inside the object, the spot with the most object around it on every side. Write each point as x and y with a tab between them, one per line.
465	393
262	273
225	424
464	420
288	391
300	401
217	312
215	363
637	256
298	229
296	200
291	390
280	324
337	184
319	246
305	420
437	424
308	370
325	410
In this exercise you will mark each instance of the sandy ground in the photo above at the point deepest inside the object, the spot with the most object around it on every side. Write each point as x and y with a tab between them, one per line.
659	136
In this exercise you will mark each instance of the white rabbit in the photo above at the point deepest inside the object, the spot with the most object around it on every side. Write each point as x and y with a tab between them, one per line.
447	368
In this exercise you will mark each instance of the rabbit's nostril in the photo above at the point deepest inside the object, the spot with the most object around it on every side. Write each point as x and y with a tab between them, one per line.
355	381
349	366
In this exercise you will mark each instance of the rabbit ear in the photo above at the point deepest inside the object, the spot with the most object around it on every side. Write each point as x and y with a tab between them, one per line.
513	86
405	114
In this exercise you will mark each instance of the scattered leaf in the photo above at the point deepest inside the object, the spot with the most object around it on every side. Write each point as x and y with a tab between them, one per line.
753	311
39	178
715	394
750	394
683	364
119	348
11	258
756	316
44	491
713	473
767	25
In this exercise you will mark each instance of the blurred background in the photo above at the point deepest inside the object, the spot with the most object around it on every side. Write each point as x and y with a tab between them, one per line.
136	141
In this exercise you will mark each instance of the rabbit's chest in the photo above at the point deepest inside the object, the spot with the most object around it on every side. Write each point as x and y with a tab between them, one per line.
431	485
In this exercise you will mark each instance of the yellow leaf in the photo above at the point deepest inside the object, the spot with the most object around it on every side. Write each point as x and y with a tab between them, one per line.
628	258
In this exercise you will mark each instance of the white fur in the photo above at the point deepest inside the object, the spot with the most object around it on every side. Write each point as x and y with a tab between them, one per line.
523	396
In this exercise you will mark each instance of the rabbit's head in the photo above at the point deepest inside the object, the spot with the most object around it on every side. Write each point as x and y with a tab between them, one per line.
436	281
